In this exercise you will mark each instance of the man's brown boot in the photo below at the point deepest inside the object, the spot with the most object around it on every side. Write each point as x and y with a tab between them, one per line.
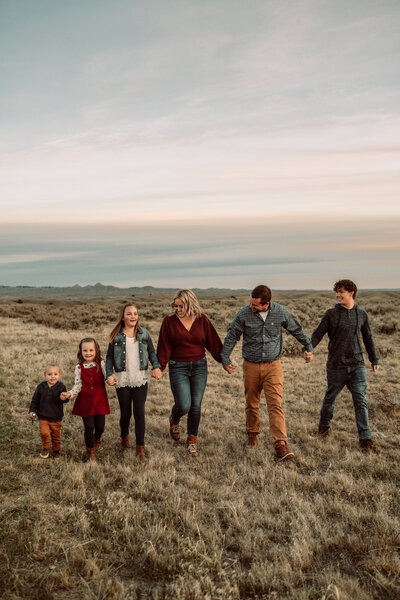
125	442
283	452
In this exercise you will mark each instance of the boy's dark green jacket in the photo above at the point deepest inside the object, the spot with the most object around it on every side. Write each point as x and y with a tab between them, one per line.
343	327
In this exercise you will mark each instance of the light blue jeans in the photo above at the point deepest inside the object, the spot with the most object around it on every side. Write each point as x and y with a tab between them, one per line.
188	381
355	379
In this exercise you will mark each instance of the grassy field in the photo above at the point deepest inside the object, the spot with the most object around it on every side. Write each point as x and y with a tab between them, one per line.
229	524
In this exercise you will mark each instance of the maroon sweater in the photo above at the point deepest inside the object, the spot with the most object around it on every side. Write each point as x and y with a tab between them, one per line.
175	342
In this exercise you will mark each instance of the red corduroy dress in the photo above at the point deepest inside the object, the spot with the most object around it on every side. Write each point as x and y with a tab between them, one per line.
92	399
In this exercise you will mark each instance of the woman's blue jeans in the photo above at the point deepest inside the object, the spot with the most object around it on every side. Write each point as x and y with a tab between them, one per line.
355	379
188	381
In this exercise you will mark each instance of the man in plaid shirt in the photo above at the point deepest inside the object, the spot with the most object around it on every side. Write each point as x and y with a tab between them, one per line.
260	323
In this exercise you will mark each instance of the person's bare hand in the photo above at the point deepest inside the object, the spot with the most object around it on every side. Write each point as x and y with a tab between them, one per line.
375	368
308	356
229	368
157	374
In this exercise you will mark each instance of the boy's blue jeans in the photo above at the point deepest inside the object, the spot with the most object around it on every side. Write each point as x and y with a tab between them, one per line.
188	381
355	379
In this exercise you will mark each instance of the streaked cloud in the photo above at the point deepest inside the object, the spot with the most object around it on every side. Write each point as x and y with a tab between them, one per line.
287	252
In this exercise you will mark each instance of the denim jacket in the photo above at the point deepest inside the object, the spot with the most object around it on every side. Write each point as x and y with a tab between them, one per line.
116	352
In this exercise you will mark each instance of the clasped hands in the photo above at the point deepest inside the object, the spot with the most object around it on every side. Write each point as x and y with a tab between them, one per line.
308	356
155	373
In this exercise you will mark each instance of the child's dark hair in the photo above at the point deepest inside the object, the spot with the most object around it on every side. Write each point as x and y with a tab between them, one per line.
345	284
97	358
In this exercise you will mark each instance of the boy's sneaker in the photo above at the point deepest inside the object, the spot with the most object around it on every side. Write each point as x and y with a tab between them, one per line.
251	441
282	452
56	454
174	430
324	431
368	446
44	453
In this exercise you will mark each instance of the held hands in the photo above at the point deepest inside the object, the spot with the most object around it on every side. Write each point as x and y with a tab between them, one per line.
308	356
112	380
65	396
229	368
157	374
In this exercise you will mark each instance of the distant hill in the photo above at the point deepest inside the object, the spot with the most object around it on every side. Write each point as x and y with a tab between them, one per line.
98	290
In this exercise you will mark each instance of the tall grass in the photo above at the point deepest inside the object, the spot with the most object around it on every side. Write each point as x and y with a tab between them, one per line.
228	524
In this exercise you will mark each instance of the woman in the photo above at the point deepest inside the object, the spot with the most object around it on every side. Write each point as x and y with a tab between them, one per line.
128	354
183	338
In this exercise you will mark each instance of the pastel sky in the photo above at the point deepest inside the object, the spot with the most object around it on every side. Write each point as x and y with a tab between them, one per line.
214	143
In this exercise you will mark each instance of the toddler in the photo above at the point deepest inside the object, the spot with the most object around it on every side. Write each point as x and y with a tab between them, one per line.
49	407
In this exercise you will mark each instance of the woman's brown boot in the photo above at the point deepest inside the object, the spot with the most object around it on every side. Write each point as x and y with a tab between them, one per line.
96	444
191	444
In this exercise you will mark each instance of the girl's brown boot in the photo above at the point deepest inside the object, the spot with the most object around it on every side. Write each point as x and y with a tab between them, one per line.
90	455
140	453
125	442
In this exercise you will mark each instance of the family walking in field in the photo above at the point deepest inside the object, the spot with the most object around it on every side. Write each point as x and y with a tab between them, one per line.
184	337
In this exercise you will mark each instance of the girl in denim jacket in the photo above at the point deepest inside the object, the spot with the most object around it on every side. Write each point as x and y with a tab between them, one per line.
128	355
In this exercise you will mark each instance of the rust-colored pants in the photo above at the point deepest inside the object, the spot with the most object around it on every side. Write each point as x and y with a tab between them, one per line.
267	377
47	429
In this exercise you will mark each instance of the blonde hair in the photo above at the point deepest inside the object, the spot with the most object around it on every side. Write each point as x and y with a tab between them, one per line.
118	326
190	303
54	365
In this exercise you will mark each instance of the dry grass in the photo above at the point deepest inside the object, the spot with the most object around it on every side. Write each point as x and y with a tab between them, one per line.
225	525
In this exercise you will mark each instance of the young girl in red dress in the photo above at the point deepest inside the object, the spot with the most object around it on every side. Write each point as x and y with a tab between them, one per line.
91	402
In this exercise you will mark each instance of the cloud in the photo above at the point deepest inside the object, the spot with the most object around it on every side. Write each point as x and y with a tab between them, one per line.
290	252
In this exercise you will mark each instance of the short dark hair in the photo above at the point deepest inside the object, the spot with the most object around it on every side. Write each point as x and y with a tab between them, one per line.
345	284
262	292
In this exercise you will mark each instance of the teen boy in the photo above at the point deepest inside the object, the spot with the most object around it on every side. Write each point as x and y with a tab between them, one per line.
345	365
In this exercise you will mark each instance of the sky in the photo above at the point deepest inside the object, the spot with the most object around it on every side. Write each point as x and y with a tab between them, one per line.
200	144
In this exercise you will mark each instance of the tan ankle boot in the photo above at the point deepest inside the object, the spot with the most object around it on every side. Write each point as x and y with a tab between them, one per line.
90	455
96	444
140	453
126	444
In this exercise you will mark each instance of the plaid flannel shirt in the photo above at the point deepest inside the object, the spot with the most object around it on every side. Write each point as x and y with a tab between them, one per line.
262	340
